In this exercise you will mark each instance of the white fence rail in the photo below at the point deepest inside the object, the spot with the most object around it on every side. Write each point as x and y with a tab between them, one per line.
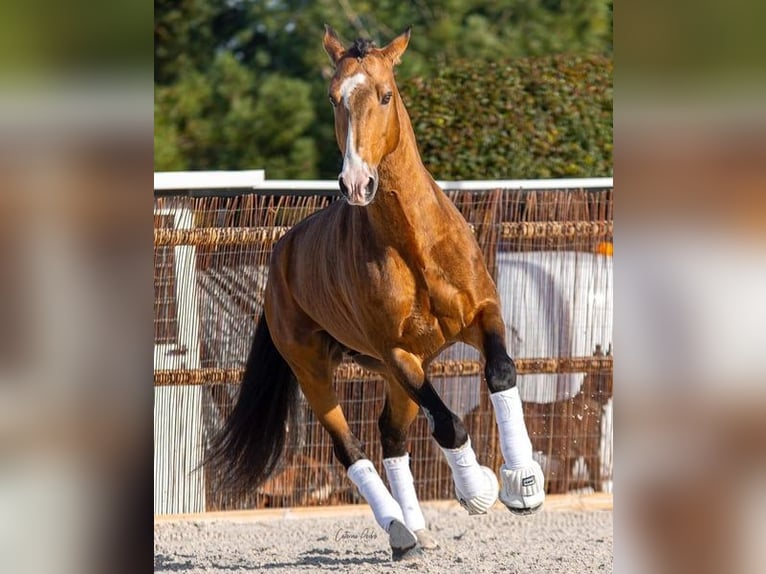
255	180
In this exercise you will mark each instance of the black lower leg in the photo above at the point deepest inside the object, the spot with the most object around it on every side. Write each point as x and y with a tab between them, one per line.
348	449
499	370
446	427
393	438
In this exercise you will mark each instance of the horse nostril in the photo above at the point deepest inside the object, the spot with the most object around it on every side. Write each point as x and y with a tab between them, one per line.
370	187
343	187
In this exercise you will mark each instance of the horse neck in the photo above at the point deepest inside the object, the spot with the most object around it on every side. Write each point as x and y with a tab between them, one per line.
403	169
408	197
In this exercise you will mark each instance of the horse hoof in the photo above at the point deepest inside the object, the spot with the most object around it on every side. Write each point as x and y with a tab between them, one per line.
523	489
426	539
404	543
524	511
482	502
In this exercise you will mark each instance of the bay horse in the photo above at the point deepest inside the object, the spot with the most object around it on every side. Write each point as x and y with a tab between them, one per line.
391	276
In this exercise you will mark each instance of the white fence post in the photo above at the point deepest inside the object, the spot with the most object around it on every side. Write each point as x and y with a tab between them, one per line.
178	437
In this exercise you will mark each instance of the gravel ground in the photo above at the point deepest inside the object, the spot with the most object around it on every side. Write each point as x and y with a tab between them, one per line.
549	541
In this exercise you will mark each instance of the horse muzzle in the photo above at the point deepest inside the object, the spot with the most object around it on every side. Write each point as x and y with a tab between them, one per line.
358	188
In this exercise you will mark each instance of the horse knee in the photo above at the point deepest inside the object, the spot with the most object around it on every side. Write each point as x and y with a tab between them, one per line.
500	374
446	428
500	370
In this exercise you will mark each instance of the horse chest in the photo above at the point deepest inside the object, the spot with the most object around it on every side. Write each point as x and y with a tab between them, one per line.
436	313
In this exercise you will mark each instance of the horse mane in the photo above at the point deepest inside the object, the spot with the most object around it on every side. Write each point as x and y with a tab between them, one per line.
360	48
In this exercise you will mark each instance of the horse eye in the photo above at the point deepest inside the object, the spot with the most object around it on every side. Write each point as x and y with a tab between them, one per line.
386	98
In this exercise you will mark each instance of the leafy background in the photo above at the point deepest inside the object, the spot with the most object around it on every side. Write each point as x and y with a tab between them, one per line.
508	89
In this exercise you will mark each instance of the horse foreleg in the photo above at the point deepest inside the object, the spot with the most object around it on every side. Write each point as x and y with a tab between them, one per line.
475	486
399	411
523	482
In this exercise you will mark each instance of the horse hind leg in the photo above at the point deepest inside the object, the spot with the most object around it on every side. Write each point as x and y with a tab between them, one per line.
476	486
313	368
523	482
399	411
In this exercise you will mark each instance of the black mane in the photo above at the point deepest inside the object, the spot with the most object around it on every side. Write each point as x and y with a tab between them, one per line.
360	48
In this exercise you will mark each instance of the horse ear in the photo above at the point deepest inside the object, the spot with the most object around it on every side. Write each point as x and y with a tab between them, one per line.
397	46
332	44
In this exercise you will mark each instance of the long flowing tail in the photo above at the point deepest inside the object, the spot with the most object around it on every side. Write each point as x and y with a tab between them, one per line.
249	447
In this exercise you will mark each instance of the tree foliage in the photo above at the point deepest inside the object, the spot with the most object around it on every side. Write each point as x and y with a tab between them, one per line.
529	118
241	84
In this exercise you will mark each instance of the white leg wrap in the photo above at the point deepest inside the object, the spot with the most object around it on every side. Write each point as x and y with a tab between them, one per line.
523	483
514	440
476	486
403	488
363	474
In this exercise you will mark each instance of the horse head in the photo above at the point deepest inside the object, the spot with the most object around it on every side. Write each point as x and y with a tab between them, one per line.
365	100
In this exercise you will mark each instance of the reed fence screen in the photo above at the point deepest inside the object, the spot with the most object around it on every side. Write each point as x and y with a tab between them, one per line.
550	252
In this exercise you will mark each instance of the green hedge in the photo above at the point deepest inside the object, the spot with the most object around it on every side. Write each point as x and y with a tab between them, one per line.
530	118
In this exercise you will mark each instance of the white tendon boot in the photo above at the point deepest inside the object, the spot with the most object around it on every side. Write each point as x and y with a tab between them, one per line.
475	486
523	483
403	488
388	513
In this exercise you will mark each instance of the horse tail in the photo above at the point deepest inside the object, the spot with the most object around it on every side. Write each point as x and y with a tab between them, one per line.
249	447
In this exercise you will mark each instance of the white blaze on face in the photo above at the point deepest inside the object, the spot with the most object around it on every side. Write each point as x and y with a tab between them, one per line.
355	173
348	86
